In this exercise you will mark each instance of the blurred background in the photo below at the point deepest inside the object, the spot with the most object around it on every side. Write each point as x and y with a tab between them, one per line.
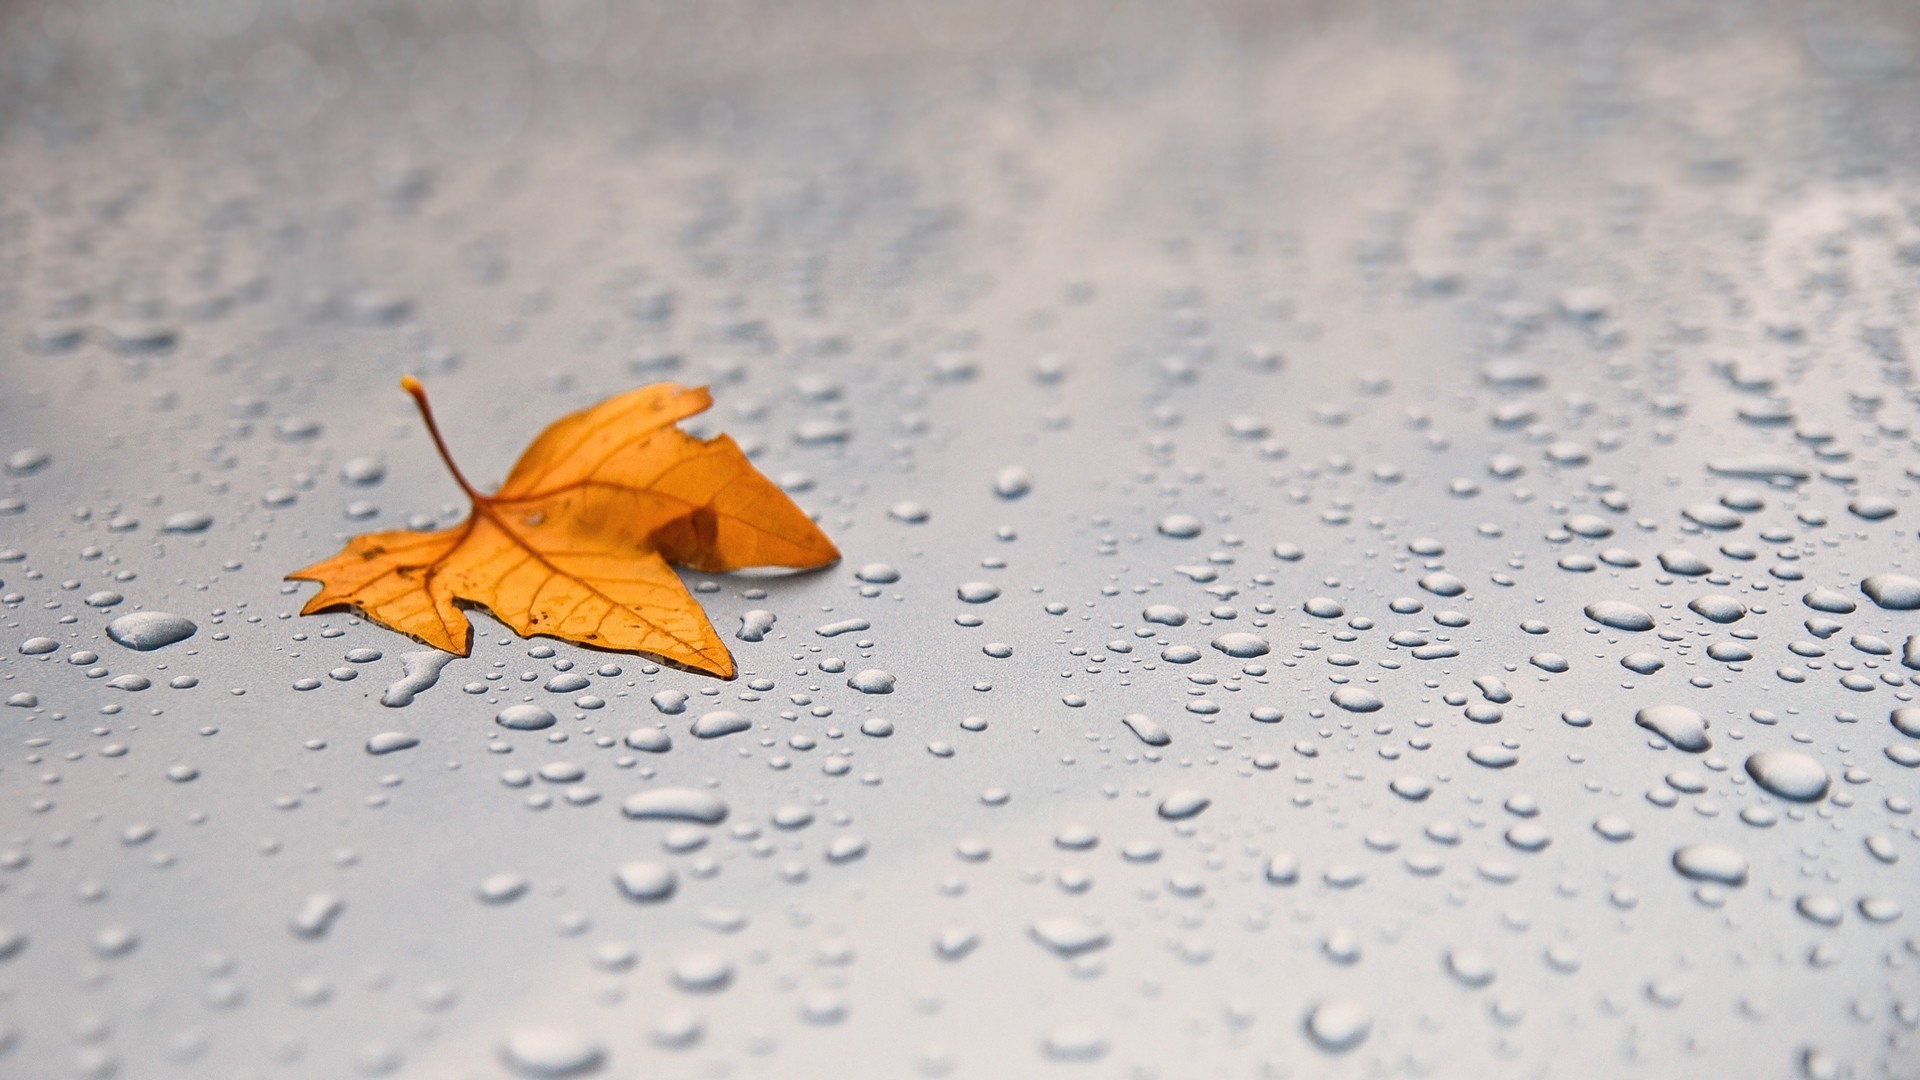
1282	451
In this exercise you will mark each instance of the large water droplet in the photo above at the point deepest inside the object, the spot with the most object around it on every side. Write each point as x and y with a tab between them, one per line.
388	742
1619	615
755	625
646	880
1148	730
145	631
1720	609
1183	804
1894	592
1354	699
1180	526
1242	645
1068	936
1338	1025
1012	482
1711	862
872	681
419	671
550	1053
1682	727
1789	774
524	716
653	740
676	804
719	722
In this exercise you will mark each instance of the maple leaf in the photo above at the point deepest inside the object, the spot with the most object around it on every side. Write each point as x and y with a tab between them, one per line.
577	541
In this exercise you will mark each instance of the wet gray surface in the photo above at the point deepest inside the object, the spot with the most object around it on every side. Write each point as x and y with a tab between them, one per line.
1529	382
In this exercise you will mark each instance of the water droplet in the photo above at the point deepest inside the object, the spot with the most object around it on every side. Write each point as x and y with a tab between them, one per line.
1148	730
1180	526
1712	516
1012	482
187	521
677	1029
114	941
1528	836
1619	615
1682	727
955	942
719	722
1873	508
1241	645
1161	614
28	461
1183	804
1711	862
1338	1025
755	624
646	880
676	804
1879	909
1824	910
978	592
1893	592
702	973
845	848
1282	869
1788	774
1470	967
1074	1043
1354	699
419	672
317	915
1683	562
363	471
1829	601
1414	788
1616	829
388	742
503	888
550	1053
1642	663
1719	609
1493	756
145	631
525	716
653	740
1068	936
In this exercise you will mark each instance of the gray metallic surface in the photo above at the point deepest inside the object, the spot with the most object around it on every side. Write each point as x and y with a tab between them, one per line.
1518	297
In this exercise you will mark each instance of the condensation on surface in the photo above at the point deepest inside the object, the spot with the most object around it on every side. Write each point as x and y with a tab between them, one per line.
1377	542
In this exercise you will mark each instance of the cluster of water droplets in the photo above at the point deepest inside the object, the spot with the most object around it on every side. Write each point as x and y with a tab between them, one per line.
1373	640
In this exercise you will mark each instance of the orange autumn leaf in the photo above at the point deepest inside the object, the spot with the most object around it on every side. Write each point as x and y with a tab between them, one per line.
576	544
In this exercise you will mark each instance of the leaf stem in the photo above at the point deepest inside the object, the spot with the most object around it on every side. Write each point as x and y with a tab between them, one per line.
419	394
